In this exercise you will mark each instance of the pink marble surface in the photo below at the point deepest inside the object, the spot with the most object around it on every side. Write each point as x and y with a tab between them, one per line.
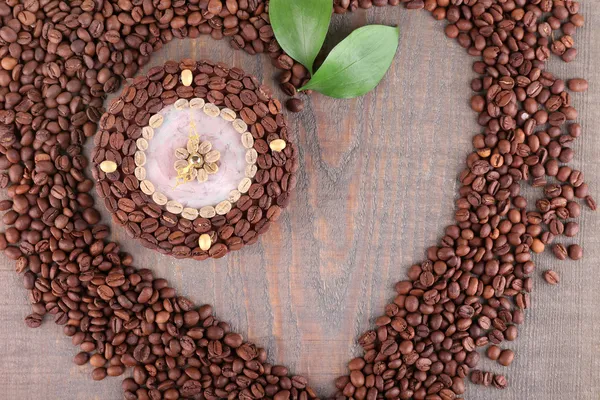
173	134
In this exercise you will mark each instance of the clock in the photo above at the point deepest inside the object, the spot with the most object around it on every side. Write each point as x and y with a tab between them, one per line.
195	159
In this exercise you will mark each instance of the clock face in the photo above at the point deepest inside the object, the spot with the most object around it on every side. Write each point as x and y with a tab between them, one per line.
195	159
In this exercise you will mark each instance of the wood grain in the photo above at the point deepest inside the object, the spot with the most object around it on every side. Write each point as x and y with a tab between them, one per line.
376	188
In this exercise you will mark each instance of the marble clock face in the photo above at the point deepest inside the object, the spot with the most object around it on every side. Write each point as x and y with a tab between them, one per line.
201	171
195	158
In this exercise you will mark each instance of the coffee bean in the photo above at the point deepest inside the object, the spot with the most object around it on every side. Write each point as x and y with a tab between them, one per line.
578	85
500	382
33	320
81	358
571	229
506	357
569	55
575	252
295	105
551	277
493	352
477	377
559	251
99	374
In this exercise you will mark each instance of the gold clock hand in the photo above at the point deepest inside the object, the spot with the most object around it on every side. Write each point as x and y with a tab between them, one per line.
193	131
183	175
194	138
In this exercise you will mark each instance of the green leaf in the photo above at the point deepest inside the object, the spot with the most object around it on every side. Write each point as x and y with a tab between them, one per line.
357	64
300	27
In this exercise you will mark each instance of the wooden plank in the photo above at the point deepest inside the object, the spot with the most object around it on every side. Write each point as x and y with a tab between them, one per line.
376	187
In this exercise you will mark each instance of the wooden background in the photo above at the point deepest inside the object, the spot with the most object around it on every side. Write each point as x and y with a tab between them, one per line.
376	187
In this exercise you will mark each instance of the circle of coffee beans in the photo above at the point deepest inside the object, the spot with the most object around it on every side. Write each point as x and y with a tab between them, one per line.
152	224
59	59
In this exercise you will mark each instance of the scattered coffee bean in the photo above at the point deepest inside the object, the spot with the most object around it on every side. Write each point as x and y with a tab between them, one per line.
575	252
578	85
500	382
295	105
551	277
506	357
571	229
493	352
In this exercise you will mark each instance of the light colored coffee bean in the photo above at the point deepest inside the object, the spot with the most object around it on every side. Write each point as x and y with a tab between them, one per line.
251	156
204	242
181	104
197	103
211	110
147	187
180	164
212	156
202	175
193	173
192	146
174	207
234	196
108	166
189	213
223	207
140	173
278	145
181	153
139	158
142	144
484	153
159	198
240	126
247	140
244	185
204	147
187	77
228	114
211	168
251	170
156	120
42	157
147	132
207	212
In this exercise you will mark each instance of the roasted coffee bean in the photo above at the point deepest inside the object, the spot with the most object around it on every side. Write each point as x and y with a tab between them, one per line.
506	357
500	382
575	252
295	105
559	251
477	377
551	277
81	358
493	352
578	85
33	320
571	229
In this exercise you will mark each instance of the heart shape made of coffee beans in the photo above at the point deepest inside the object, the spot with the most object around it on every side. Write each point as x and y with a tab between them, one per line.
471	291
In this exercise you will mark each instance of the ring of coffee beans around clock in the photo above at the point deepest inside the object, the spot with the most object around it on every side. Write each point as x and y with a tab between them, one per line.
167	225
